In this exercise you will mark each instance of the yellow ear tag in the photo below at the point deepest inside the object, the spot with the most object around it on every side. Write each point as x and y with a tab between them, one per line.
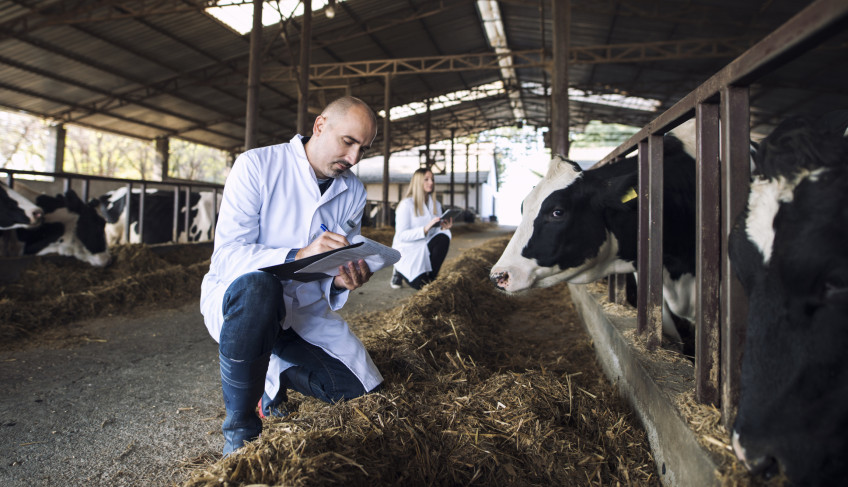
629	195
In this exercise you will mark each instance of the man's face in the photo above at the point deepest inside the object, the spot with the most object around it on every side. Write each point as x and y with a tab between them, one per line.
339	141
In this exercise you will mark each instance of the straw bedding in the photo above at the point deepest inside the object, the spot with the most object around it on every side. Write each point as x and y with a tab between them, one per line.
481	389
55	291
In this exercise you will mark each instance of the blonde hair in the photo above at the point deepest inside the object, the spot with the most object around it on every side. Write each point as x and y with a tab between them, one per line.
416	191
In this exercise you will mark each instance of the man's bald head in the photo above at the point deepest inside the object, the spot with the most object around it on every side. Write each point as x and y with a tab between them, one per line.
340	106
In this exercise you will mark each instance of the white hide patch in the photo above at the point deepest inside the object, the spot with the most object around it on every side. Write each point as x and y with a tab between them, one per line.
68	244
763	204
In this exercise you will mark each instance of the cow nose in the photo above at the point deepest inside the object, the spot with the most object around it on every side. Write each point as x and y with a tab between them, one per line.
37	215
765	466
500	279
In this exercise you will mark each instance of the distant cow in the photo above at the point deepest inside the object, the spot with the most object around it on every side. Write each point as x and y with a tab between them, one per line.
159	216
71	227
789	249
16	211
580	226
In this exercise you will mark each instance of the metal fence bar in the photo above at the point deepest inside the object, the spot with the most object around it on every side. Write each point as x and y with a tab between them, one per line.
707	253
141	207
187	211
642	256
175	220
127	213
735	174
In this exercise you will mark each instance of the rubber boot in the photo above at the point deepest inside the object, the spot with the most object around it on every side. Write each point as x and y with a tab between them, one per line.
242	383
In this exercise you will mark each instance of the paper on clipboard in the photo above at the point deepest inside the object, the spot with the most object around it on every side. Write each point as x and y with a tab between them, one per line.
327	264
375	254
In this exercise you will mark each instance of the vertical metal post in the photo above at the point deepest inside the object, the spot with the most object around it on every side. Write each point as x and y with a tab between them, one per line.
175	217
305	51
467	167
477	183
162	154
253	77
642	261
655	240
387	121
735	173
707	254
561	15
649	317
85	188
453	135
127	214
427	137
187	216
141	196
55	150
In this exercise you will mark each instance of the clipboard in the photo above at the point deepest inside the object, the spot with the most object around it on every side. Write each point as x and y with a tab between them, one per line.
326	264
452	214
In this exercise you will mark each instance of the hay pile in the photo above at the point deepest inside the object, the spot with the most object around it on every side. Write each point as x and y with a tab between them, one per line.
55	291
480	389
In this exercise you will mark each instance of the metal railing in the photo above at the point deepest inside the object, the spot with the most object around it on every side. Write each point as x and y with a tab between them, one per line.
179	187
721	110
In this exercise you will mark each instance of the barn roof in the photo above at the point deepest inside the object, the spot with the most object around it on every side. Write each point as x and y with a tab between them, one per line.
150	69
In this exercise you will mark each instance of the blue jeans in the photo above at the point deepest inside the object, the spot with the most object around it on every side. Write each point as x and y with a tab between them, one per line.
253	311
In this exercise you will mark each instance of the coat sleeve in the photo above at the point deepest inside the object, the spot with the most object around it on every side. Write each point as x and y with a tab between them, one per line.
404	229
236	251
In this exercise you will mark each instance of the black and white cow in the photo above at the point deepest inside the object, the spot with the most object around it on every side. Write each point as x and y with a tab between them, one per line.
159	216
70	227
789	249
16	211
580	226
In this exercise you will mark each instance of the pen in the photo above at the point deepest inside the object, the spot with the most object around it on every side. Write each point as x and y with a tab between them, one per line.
324	228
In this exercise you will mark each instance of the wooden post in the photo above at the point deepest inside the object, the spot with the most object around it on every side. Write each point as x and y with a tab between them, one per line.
707	254
387	107
253	77
162	154
735	172
305	50
561	15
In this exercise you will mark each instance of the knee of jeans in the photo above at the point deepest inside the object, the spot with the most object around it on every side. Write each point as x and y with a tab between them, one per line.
255	291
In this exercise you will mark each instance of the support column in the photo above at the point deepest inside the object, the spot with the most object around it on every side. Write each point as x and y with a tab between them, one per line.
55	156
387	106
427	137
561	14
467	155
305	50
253	76
160	166
453	135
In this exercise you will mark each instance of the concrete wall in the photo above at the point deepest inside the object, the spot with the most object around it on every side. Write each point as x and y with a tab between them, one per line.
650	382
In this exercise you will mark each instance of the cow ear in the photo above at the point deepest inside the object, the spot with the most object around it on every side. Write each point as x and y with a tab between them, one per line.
620	193
74	202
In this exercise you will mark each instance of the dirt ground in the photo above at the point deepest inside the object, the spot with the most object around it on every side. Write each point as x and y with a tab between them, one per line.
133	397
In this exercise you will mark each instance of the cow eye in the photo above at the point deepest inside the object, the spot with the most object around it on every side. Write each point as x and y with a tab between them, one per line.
557	213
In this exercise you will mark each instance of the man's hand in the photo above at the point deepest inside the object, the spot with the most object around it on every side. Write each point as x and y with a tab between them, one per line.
325	242
352	275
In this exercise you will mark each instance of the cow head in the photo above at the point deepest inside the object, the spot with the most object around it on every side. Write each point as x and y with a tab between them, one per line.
71	227
16	211
793	405
562	236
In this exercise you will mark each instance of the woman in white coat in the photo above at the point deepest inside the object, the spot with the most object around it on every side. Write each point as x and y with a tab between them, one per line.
421	237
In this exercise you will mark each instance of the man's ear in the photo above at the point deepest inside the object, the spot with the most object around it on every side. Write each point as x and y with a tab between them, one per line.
318	126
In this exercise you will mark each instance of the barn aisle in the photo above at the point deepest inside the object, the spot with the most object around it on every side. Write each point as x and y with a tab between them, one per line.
129	399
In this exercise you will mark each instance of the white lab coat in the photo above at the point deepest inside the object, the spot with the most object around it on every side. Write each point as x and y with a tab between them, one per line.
410	239
272	204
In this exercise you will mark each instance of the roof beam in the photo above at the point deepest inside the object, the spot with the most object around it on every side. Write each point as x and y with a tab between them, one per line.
605	54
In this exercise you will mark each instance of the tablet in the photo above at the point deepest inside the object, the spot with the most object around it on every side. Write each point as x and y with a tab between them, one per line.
451	214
